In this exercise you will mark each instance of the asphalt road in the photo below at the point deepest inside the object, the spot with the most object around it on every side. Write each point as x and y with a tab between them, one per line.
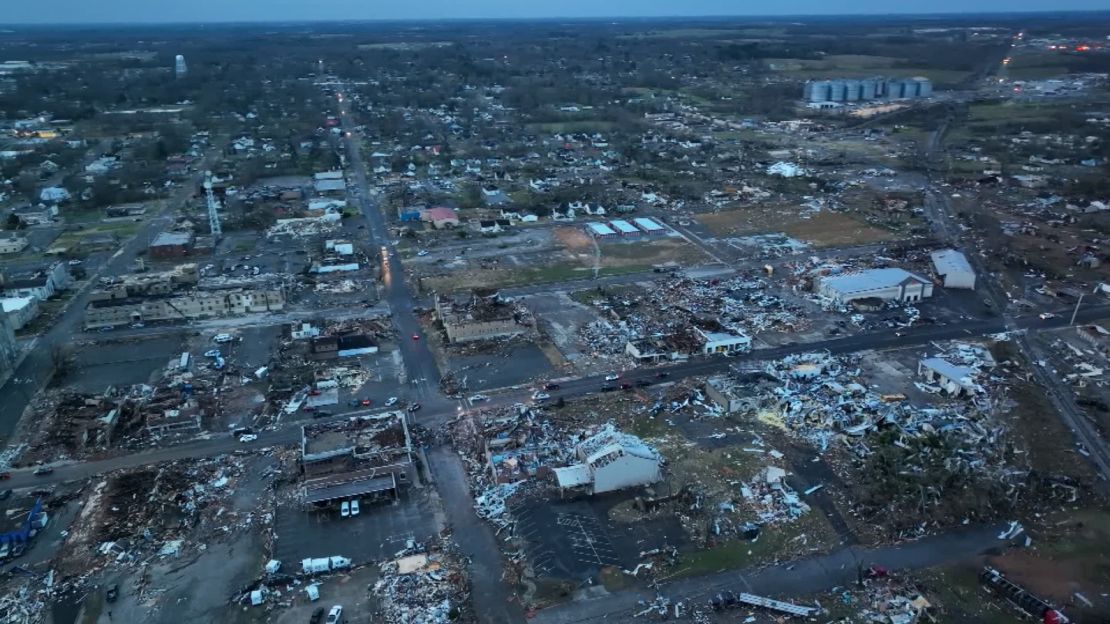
442	410
420	364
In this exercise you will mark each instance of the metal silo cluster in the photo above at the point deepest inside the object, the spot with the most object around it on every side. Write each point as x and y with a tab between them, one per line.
851	90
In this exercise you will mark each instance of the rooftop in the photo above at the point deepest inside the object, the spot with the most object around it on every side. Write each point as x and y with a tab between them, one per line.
871	279
172	239
950	261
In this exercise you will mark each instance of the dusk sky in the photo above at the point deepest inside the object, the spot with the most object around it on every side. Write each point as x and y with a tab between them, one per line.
146	11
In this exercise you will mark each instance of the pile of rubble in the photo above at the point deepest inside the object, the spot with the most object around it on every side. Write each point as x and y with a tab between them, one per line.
421	587
883	599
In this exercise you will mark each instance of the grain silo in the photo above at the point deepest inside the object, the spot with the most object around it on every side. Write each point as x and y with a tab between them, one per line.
924	86
836	90
868	89
851	90
816	91
893	89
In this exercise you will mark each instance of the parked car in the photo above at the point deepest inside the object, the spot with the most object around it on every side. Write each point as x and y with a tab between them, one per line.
478	397
317	616
248	437
4	476
222	338
612	377
345	509
354	507
335	616
391	401
415	407
540	396
43	470
5	495
551	386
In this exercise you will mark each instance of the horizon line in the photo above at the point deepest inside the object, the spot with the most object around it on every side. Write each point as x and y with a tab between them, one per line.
425	20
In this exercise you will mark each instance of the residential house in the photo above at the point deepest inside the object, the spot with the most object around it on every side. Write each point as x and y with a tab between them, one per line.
19	310
12	244
440	217
41	284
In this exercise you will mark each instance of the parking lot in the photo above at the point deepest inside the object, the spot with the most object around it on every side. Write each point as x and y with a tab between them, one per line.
378	532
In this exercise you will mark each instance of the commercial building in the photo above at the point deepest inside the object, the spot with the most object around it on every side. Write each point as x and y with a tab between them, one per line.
889	284
610	461
725	393
624	228
600	230
722	341
472	317
952	379
652	349
649	226
954	269
171	245
363	456
113	312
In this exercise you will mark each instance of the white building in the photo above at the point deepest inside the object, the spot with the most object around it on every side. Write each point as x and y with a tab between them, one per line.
952	379
609	461
723	342
953	267
12	244
20	310
891	284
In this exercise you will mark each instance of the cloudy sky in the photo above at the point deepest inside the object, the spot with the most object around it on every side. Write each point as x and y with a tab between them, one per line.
146	11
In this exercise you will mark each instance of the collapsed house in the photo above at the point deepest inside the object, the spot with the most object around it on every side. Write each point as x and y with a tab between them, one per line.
363	456
478	316
610	460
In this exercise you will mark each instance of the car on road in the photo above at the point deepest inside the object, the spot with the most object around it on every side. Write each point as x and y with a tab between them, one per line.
4	476
478	397
662	374
612	377
345	509
1044	316
415	407
335	616
391	401
365	402
248	437
422	253
43	470
222	338
551	386
416	336
540	396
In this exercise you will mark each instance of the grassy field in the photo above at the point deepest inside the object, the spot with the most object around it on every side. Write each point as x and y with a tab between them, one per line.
861	66
821	229
575	262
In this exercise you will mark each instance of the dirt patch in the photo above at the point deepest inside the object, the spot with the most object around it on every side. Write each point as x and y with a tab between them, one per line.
821	229
574	239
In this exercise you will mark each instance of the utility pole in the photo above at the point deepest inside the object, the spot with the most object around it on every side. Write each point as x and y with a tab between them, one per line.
1075	312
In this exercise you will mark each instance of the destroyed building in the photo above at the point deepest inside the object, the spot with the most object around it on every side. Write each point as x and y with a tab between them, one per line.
610	460
363	456
477	316
105	311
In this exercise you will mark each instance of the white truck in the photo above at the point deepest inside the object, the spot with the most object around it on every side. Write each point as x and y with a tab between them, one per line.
324	564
